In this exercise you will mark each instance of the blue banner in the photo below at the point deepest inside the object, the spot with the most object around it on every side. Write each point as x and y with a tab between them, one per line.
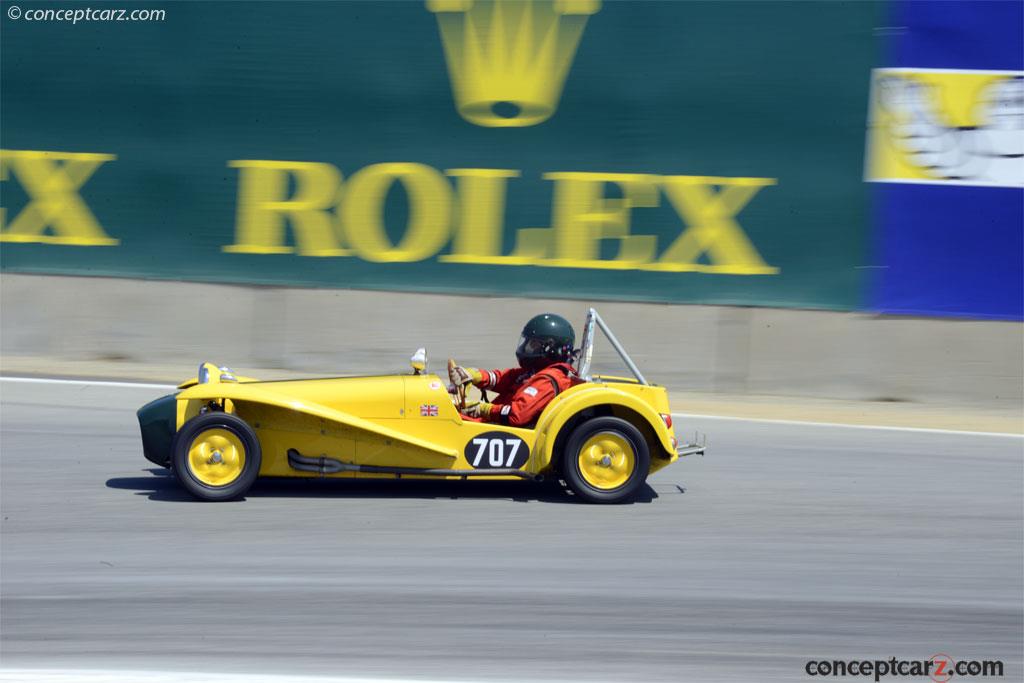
946	151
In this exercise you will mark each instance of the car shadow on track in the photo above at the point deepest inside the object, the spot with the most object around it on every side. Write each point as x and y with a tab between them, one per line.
160	485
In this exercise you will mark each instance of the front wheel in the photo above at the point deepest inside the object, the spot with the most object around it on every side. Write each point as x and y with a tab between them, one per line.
216	456
606	460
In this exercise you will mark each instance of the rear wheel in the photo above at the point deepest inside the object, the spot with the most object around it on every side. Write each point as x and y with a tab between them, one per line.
216	456
606	460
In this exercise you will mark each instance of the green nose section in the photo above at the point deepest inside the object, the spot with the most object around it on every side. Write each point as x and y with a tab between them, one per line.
157	420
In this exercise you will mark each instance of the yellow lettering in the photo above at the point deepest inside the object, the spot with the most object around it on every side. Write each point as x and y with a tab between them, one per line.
481	201
583	216
481	198
264	207
55	203
362	212
711	226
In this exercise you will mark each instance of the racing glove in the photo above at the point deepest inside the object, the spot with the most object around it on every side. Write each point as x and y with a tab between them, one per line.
460	375
481	409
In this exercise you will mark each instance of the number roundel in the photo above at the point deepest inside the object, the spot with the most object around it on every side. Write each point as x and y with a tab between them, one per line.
497	450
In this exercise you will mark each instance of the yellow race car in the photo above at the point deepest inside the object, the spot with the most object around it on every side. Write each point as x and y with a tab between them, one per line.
220	431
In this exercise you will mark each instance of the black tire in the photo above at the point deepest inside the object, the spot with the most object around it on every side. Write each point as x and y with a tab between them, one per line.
193	481
619	432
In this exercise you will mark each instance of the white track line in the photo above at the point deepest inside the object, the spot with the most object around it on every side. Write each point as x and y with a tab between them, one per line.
809	423
118	676
87	382
756	420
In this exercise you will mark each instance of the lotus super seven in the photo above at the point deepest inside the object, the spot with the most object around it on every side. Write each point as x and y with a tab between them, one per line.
220	431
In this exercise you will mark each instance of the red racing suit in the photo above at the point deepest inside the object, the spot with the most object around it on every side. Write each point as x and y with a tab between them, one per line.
523	395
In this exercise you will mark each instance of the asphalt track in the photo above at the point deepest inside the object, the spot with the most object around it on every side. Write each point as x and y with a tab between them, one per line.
790	543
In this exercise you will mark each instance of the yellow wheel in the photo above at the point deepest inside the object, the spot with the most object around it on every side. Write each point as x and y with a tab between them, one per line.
216	456
606	460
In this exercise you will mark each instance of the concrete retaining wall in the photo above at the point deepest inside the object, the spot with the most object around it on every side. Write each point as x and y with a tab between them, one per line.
700	348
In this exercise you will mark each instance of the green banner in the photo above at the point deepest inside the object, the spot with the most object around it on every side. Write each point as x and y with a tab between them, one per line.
681	152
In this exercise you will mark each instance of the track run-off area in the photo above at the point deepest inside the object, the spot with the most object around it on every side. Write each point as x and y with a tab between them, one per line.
788	542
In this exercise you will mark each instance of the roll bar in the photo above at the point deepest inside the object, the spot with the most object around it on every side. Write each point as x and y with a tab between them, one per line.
587	348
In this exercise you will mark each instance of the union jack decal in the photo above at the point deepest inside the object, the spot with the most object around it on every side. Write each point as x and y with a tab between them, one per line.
428	410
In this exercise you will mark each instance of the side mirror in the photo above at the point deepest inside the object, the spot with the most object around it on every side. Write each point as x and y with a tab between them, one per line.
419	362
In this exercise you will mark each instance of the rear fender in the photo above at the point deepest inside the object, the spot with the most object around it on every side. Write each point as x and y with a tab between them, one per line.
560	413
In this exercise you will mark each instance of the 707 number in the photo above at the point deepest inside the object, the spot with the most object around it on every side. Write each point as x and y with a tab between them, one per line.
495	450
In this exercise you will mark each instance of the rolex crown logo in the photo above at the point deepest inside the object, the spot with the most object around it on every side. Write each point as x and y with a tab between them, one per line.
508	59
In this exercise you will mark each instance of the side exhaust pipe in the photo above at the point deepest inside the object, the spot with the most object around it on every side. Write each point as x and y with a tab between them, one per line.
323	465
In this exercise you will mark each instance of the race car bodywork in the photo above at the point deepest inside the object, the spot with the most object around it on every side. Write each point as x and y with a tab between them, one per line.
220	431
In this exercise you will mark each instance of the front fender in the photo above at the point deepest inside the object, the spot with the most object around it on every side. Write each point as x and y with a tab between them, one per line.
583	396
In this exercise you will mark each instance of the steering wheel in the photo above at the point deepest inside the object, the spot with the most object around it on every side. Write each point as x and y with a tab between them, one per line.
460	390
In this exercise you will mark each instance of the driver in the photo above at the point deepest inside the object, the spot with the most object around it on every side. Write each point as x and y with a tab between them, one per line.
544	351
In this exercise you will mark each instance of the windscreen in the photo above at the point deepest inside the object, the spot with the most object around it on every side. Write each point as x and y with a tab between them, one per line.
586	346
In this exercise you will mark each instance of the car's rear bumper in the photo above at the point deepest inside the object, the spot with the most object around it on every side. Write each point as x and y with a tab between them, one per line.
690	449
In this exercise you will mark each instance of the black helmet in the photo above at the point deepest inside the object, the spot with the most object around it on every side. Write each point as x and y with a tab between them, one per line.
546	339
